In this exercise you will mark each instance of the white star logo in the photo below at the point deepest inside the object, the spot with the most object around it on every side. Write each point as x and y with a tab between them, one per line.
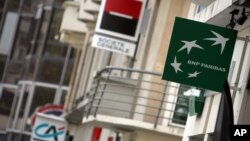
189	45
176	65
218	40
195	74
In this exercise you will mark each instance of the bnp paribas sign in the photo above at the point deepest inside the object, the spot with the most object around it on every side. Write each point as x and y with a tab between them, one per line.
199	54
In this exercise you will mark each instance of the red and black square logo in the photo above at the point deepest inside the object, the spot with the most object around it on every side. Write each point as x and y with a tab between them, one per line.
121	16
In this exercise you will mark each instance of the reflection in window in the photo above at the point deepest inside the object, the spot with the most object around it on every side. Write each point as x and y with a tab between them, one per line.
24	35
42	31
20	113
182	105
6	100
55	49
30	5
16	137
50	70
68	73
2	2
62	101
2	64
13	5
42	96
53	61
24	101
200	8
70	67
18	63
56	24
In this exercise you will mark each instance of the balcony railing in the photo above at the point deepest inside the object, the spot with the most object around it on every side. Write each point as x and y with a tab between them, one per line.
136	95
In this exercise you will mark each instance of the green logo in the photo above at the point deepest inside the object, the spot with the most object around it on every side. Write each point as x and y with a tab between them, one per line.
199	54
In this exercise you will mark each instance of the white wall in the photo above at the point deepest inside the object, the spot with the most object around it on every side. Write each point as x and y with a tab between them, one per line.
70	21
244	117
209	11
241	97
206	122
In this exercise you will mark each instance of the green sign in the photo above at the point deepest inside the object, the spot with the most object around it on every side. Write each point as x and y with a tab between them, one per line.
199	54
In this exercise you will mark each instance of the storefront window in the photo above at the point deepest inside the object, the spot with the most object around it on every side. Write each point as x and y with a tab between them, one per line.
6	101
24	36
56	24
50	70
182	105
42	96
13	5
2	64
64	93
2	3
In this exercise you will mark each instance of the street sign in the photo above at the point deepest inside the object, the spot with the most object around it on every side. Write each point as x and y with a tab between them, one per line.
199	54
49	128
121	18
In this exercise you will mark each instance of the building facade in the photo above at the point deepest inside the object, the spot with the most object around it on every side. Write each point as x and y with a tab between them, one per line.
111	96
35	67
117	97
224	13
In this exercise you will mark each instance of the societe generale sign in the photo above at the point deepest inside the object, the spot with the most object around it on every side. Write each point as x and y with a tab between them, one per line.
121	18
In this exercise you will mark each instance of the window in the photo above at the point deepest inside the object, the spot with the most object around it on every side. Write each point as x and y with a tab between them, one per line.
56	24
18	66
42	96
2	137
13	5
24	35
63	97
200	8
2	64
30	5
50	70
18	137
2	3
6	100
182	105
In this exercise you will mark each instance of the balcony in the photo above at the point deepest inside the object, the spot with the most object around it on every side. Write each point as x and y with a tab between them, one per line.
129	99
91	6
88	11
73	31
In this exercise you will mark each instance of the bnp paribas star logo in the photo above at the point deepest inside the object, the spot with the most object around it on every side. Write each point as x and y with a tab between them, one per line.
189	45
199	54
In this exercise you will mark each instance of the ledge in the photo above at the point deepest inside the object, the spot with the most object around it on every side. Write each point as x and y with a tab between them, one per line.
123	124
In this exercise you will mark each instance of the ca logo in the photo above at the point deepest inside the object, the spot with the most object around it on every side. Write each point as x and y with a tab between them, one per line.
45	131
